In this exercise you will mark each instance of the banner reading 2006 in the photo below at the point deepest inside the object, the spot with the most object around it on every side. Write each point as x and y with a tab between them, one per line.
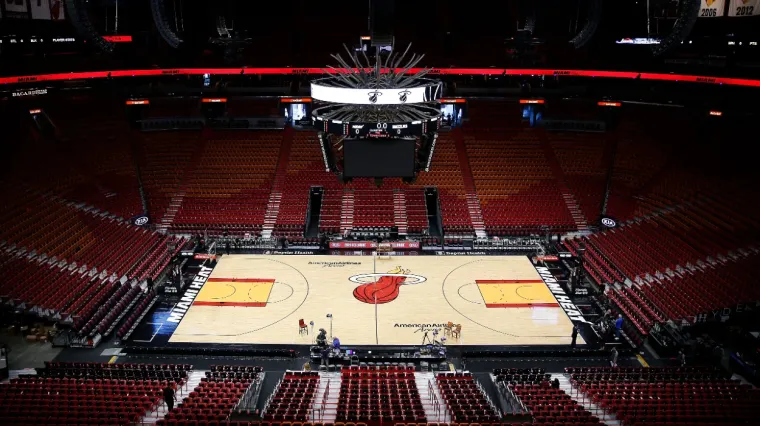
712	8
739	8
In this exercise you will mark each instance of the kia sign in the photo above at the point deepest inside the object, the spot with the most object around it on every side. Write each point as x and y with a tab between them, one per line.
140	220
609	222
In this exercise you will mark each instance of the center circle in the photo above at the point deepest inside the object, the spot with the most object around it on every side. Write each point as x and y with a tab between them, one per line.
358	278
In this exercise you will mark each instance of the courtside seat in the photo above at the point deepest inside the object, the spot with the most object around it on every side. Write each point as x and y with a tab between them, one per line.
465	399
552	406
293	398
379	395
214	399
546	404
68	393
682	395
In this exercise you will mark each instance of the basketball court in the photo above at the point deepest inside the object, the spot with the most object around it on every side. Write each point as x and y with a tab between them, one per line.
259	299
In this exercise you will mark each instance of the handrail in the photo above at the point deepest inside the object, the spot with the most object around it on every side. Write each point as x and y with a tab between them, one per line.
438	405
318	413
252	393
448	415
513	400
271	396
488	398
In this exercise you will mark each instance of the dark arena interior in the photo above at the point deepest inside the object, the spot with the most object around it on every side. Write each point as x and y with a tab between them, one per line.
215	213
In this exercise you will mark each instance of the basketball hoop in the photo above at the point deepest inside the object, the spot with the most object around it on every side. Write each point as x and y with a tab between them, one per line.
384	251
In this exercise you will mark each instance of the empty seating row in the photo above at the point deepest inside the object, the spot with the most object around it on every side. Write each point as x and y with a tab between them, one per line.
212	401
380	396
230	183
516	186
465	399
293	398
67	393
668	395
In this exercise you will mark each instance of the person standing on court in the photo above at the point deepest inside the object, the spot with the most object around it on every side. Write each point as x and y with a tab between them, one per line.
618	326
681	358
614	357
574	336
169	396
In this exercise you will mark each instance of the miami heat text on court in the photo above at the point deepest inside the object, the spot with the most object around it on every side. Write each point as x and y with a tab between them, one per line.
180	310
570	309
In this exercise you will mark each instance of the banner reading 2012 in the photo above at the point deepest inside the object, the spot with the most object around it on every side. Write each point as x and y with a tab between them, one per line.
744	8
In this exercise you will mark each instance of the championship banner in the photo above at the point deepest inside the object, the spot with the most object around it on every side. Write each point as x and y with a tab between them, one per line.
16	8
57	10
40	9
744	8
712	8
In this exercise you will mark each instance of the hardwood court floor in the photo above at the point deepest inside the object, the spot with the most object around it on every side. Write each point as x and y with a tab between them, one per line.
498	300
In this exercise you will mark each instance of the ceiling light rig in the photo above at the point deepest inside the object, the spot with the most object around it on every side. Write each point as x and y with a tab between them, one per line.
378	90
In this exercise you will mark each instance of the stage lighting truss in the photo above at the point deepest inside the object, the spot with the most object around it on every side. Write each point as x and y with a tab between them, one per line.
377	98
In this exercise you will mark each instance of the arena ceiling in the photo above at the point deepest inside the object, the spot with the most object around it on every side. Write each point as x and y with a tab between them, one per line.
303	33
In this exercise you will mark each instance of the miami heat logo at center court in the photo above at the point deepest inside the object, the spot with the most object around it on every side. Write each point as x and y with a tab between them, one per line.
385	287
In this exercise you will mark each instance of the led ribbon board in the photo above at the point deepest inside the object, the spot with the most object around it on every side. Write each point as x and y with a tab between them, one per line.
429	92
682	78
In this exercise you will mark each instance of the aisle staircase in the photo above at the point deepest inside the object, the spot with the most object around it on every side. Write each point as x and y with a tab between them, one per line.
275	196
399	211
577	396
559	176
324	408
473	203
193	380
347	211
179	197
436	409
608	159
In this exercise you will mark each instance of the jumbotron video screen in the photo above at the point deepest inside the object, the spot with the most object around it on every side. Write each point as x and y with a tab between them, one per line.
375	158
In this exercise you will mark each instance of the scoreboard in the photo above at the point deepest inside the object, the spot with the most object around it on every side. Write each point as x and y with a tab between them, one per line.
380	130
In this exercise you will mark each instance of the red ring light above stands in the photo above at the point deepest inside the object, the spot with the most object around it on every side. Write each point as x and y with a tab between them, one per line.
436	71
